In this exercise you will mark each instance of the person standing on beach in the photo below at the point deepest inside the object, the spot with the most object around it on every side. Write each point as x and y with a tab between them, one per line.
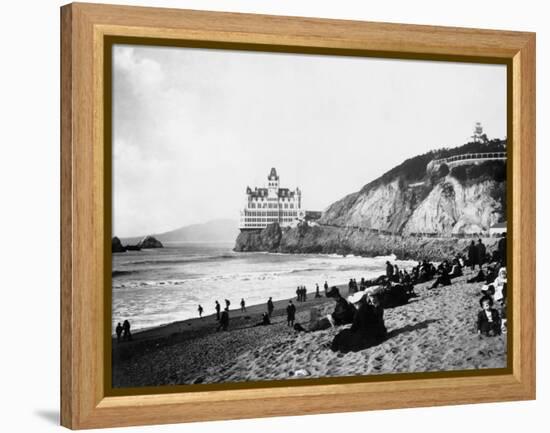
218	308
126	334
290	313
270	306
200	310
227	304
118	332
224	320
481	253
326	288
243	306
317	293
298	294
472	255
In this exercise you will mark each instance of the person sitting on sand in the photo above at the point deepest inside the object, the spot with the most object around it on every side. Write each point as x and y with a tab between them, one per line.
224	320
443	279
342	314
243	306
456	270
218	308
118	331
479	278
200	309
126	334
290	313
265	320
367	329
488	319
270	306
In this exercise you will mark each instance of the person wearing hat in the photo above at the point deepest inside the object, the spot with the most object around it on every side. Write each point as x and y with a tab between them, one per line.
368	328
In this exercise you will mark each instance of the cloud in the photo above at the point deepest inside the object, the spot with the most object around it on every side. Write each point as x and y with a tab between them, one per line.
192	128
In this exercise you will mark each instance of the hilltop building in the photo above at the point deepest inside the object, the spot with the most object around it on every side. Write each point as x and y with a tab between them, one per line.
272	204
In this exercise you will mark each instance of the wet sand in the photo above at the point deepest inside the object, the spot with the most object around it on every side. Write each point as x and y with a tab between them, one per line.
433	332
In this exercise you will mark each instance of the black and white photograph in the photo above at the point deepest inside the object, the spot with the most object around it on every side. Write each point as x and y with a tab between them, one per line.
282	216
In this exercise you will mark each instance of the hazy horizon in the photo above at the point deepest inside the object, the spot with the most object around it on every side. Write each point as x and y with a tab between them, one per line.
192	128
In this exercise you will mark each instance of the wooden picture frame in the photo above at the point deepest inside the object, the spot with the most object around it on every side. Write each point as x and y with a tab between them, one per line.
85	216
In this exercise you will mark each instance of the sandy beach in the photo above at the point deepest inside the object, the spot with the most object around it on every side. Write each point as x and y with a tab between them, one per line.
433	332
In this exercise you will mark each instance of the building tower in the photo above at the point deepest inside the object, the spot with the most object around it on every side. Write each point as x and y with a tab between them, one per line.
273	184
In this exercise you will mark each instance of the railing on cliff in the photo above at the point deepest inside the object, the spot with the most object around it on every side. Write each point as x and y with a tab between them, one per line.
466	157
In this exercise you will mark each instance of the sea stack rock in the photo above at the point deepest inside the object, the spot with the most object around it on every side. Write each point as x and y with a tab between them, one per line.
150	242
117	246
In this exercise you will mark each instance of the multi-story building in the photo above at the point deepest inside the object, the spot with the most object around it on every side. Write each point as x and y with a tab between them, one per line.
272	204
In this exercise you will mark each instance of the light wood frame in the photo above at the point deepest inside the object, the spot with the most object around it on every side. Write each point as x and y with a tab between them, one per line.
84	403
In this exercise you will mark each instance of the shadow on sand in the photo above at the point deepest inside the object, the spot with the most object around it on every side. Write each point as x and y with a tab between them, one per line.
410	328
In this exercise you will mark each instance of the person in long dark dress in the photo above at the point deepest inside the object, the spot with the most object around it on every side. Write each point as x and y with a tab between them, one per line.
317	293
481	253
126	334
270	306
290	313
224	320
472	255
368	328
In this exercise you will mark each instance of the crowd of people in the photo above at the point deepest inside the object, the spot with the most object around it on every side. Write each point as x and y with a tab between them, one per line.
367	299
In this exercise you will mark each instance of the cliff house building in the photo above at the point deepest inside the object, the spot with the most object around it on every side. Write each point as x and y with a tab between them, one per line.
272	204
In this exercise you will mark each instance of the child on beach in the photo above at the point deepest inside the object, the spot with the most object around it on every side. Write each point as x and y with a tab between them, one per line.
488	319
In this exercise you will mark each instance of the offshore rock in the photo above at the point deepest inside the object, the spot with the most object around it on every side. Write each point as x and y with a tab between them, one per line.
150	242
117	246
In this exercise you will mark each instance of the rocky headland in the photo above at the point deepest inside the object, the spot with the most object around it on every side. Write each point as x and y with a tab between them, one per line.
422	208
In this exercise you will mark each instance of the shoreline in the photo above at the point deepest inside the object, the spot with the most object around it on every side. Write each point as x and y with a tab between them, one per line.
433	332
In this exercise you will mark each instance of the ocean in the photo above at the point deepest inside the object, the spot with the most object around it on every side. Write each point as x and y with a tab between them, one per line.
160	286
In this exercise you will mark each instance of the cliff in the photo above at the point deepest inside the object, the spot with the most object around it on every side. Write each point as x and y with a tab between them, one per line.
421	208
346	240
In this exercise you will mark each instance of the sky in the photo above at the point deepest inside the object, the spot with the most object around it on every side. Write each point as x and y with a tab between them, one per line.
192	128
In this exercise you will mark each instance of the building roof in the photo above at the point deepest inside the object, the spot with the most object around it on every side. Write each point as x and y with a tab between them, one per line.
273	174
501	225
262	192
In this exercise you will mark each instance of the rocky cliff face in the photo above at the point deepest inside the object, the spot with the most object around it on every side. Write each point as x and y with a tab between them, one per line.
412	211
442	206
341	240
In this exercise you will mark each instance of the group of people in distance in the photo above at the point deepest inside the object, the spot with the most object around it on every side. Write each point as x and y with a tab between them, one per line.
364	307
123	331
301	294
